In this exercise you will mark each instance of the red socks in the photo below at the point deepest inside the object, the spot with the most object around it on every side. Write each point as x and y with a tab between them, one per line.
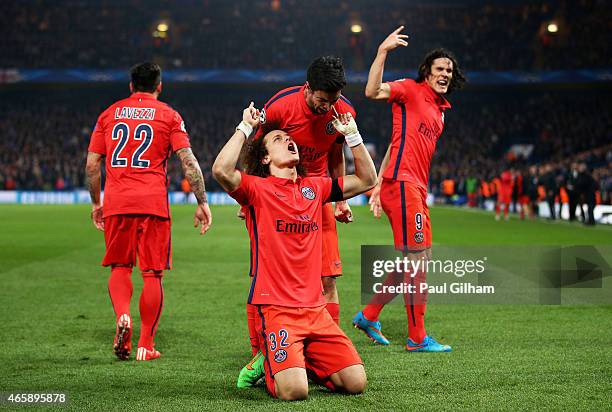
120	289
378	302
416	305
151	304
151	300
334	311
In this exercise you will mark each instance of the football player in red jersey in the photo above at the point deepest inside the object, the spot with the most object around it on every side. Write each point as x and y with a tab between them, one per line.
297	335
137	135
306	113
504	194
418	119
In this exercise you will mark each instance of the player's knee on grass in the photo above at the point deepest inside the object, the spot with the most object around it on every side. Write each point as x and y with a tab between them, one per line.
291	384
351	380
329	289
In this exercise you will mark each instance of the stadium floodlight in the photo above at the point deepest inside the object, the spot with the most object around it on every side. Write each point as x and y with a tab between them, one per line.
356	28
552	27
162	27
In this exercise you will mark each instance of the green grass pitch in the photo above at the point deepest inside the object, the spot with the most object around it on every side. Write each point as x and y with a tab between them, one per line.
58	326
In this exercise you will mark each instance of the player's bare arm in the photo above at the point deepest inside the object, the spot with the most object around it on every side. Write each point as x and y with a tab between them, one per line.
365	171
224	168
93	170
193	173
375	205
375	88
337	168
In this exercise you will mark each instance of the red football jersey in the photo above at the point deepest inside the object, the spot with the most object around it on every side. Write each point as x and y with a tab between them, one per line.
418	120
286	233
137	135
506	181
313	133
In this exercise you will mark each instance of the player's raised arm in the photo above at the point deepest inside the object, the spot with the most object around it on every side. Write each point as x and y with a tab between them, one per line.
365	172
375	88
224	168
193	174
337	168
93	171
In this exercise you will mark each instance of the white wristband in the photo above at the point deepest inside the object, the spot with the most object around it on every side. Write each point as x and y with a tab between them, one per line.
245	128
353	140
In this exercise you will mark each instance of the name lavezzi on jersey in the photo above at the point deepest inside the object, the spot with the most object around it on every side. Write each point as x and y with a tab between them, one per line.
136	113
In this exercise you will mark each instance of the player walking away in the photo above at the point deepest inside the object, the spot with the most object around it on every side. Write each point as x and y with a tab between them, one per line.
418	119
504	194
306	113
137	136
297	335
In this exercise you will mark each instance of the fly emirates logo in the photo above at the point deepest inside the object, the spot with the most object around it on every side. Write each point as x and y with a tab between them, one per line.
301	224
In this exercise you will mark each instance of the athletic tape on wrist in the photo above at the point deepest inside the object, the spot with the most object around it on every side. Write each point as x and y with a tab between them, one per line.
246	128
353	140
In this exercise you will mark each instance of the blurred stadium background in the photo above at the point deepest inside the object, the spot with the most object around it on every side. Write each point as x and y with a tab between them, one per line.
538	99
540	79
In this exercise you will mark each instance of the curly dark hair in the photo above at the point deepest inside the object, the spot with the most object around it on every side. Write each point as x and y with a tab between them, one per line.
326	73
458	79
253	156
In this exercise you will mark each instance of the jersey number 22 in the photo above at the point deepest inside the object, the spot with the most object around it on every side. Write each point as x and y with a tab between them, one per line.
121	132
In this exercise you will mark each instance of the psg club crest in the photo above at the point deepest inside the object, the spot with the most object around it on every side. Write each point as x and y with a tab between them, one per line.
418	237
308	193
329	128
280	355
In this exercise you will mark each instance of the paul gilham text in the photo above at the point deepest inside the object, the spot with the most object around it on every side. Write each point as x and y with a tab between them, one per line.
453	288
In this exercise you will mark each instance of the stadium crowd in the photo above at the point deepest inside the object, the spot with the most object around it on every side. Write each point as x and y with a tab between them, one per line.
265	34
45	134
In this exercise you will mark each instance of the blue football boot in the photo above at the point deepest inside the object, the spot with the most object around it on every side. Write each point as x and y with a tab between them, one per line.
429	344
371	329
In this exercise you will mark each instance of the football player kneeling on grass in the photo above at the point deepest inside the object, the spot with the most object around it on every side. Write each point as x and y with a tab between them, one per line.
298	337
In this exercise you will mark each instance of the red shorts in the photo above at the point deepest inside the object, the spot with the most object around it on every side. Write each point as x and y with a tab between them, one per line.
302	338
146	237
331	265
406	206
524	200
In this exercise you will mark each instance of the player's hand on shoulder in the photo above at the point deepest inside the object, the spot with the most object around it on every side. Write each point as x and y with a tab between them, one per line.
251	115
203	217
97	217
343	212
375	205
241	215
394	40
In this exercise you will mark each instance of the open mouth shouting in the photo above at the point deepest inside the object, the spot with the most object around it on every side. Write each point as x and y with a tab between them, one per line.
442	82
292	147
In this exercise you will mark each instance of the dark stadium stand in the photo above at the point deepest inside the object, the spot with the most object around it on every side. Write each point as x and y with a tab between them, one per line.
265	34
